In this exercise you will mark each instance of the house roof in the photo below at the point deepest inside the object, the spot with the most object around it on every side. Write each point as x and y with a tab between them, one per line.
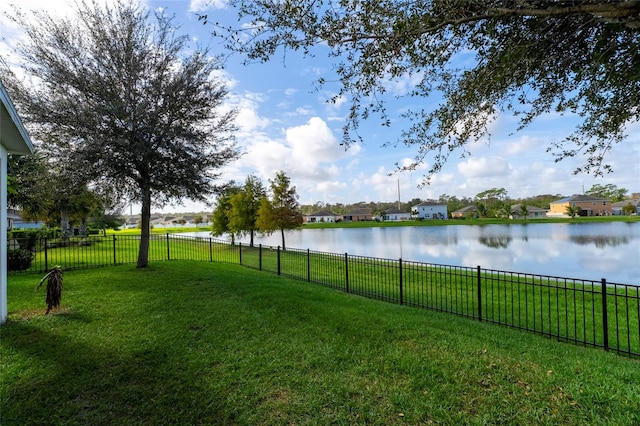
13	135
394	210
635	203
471	208
530	209
429	203
578	198
322	213
360	211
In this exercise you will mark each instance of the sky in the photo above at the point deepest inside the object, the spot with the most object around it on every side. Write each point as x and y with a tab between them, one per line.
285	123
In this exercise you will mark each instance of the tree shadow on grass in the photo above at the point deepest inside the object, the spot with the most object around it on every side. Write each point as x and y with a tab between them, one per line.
51	378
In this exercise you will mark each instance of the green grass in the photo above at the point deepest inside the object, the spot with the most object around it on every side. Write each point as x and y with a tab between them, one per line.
554	307
206	343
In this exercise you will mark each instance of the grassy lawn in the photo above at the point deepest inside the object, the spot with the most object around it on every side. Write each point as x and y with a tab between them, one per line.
204	343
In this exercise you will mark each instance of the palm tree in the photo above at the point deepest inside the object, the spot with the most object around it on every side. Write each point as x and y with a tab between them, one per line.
573	211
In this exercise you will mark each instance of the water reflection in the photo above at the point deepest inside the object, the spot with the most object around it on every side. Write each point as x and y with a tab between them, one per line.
587	251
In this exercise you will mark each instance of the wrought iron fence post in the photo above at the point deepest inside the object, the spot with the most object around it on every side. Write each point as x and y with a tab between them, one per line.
115	259
308	265
346	272
278	260
260	256
210	250
46	254
240	250
605	317
400	278
479	294
168	249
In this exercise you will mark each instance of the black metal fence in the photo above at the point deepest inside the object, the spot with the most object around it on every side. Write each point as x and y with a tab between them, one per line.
592	313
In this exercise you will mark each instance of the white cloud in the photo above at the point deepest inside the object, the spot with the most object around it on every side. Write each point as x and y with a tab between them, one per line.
203	5
483	167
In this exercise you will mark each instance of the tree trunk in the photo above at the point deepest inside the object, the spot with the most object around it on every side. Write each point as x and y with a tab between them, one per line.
83	228
282	233
65	231
251	238
143	253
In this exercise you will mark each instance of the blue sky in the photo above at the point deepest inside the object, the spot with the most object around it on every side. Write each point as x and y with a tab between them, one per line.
286	124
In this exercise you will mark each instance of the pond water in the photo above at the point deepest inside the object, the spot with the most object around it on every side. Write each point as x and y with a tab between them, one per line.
583	250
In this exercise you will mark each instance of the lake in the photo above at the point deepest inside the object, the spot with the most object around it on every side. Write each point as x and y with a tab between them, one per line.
589	251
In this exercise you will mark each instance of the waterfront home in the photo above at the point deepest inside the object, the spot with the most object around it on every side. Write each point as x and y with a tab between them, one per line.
395	215
589	205
617	209
322	216
532	212
358	215
429	210
465	212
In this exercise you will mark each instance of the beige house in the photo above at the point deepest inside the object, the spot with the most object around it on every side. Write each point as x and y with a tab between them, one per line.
13	140
589	206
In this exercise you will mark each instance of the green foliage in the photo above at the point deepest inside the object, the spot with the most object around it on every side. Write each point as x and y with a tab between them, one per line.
128	103
608	191
282	212
202	343
19	259
244	205
573	211
482	58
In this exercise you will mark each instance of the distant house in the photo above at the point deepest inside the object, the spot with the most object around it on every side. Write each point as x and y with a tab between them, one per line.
532	212
322	216
463	213
358	215
16	221
617	208
429	210
589	206
395	215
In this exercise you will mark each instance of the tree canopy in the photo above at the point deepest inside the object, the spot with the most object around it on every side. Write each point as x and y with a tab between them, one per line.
123	98
472	60
282	211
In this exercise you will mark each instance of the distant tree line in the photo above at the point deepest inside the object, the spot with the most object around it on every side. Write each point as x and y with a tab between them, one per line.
494	202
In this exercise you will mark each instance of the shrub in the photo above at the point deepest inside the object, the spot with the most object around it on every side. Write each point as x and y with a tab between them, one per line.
19	259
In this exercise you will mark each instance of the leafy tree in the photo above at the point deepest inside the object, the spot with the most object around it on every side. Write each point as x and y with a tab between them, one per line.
282	212
609	191
481	57
197	220
483	212
243	213
628	209
124	99
573	211
524	211
107	220
27	185
493	200
220	216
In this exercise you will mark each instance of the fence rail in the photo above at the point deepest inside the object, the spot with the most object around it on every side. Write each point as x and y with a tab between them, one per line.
591	313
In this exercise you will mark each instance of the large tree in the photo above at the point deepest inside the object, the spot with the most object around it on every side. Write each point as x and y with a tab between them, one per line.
122	97
244	205
472	58
610	191
282	211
